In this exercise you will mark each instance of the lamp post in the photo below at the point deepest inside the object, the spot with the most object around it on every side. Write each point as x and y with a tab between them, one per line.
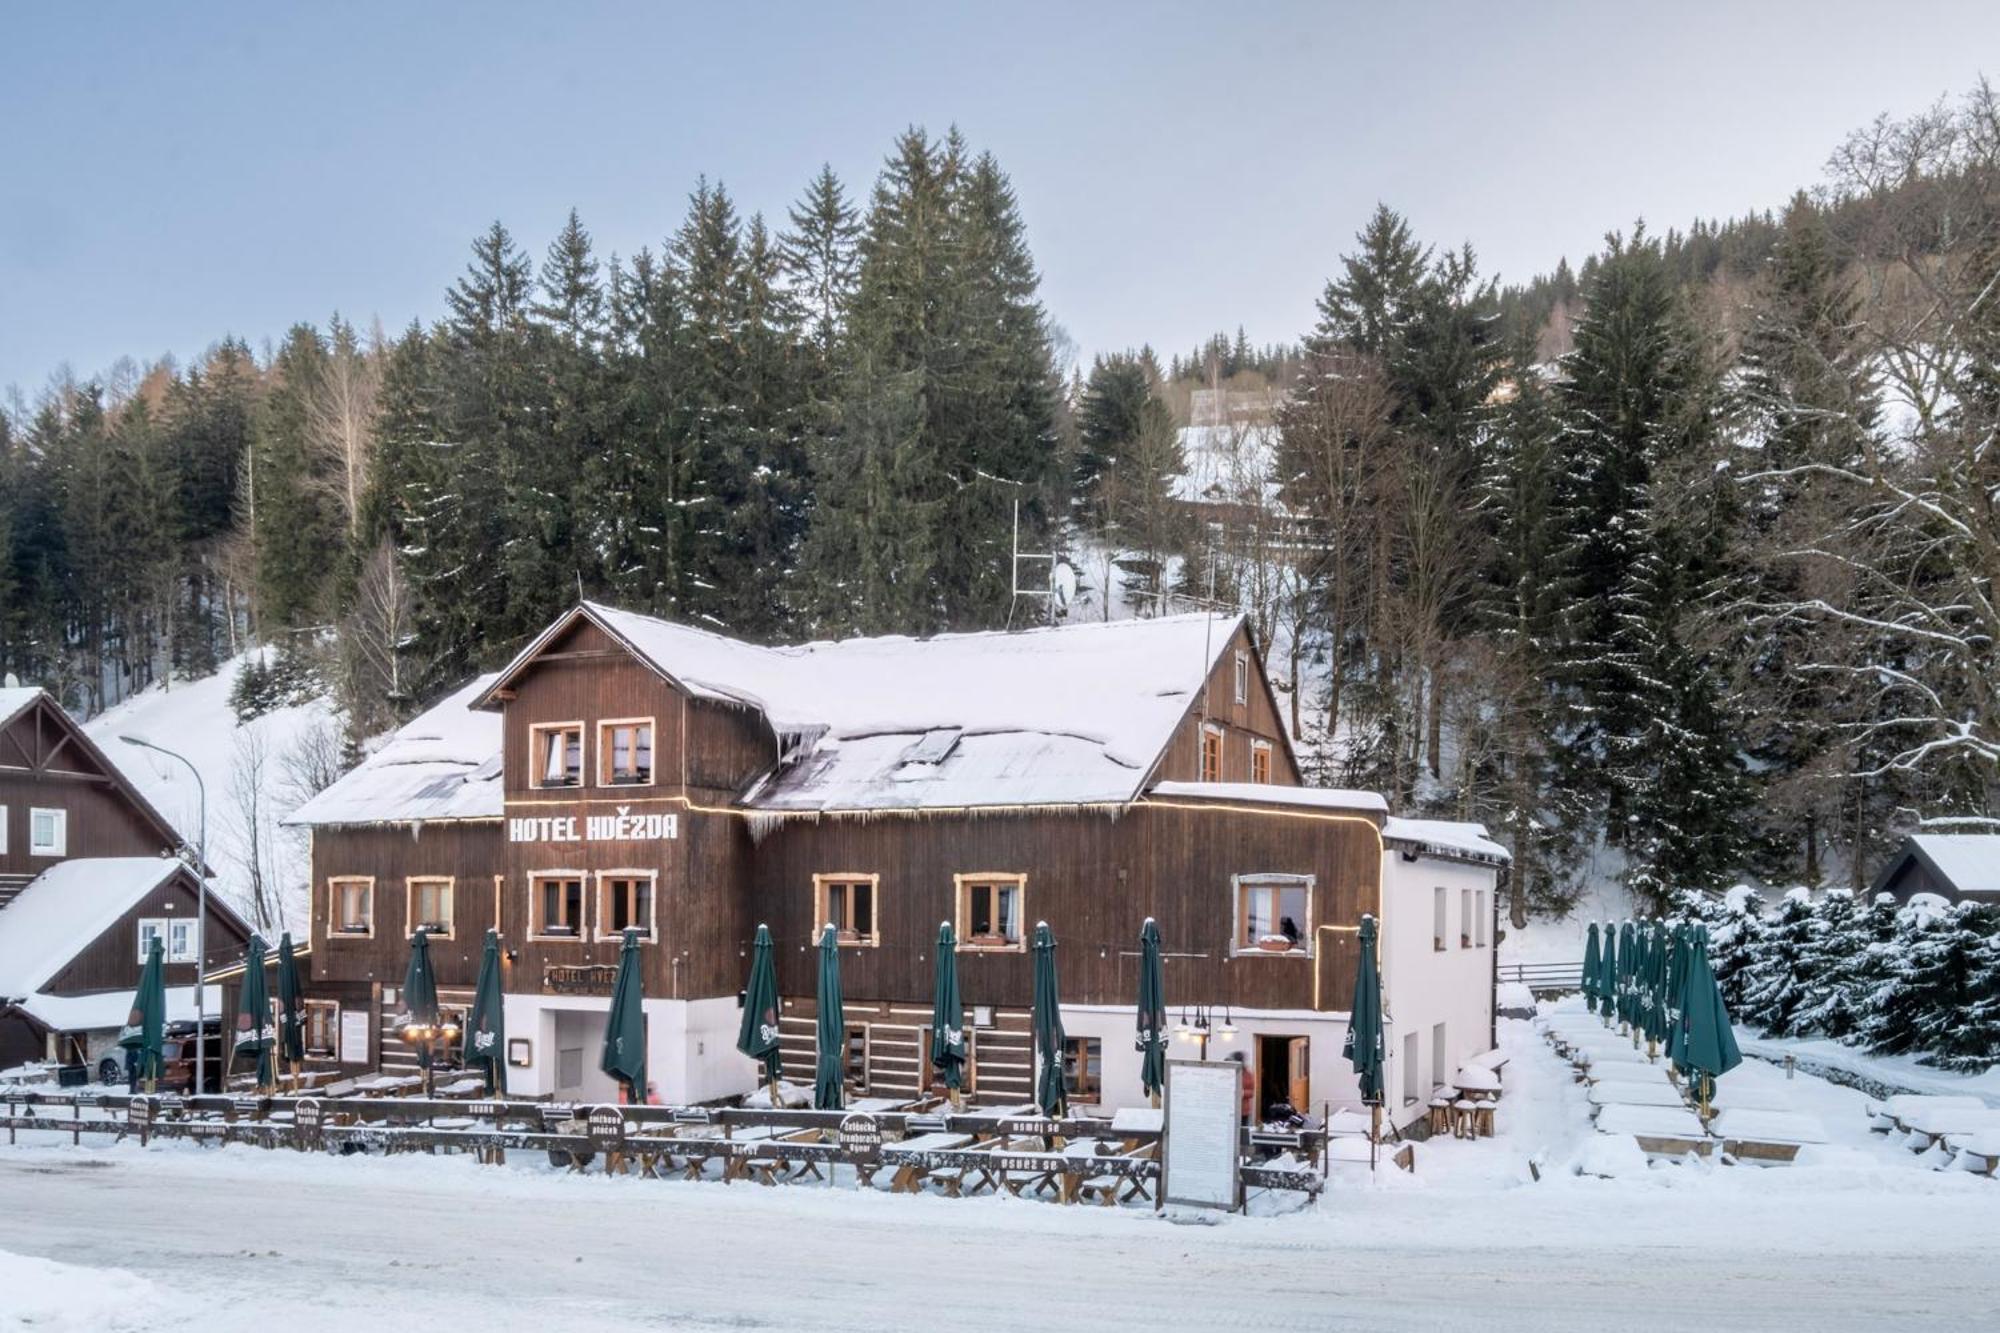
200	912
1203	1026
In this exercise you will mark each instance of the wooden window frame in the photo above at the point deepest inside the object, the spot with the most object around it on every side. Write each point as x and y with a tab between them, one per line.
600	928
60	846
1211	732
333	885
1260	758
536	878
1242	682
1239	918
962	886
307	1009
604	751
538	756
1092	1095
821	916
410	883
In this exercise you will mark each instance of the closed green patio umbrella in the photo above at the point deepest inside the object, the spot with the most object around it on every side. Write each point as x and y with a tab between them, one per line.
254	1034
420	1003
1708	1040
1593	960
486	1021
947	1054
1607	976
624	1056
1364	1047
146	1026
1152	1040
1628	957
1675	1048
757	1036
830	1031
291	1010
1050	1094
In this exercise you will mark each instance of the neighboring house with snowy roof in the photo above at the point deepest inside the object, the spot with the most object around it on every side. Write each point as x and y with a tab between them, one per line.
87	872
628	772
1954	866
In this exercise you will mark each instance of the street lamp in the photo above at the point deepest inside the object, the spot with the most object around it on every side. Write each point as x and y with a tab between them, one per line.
200	913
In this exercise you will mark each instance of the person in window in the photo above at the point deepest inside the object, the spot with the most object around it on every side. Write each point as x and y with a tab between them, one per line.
1289	929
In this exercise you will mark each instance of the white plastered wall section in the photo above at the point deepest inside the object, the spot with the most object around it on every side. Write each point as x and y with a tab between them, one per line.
1332	1079
691	1051
1423	985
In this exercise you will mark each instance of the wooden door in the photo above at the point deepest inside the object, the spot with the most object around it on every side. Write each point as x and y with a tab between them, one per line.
1298	1054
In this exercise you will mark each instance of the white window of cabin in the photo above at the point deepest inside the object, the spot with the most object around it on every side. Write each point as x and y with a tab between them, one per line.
555	905
555	755
848	903
990	911
1273	915
1243	678
48	832
625	752
1412	1072
1440	909
625	898
1465	918
152	928
183	940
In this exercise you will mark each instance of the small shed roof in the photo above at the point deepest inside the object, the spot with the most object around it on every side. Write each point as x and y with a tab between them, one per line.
1963	862
109	1009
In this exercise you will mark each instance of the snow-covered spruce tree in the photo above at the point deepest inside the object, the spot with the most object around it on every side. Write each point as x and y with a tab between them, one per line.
1780	976
1958	976
1832	1000
1734	937
1917	980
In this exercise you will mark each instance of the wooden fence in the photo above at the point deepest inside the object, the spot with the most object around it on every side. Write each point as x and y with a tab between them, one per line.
963	1151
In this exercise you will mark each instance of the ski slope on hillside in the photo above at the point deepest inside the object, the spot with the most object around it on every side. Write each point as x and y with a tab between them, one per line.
244	769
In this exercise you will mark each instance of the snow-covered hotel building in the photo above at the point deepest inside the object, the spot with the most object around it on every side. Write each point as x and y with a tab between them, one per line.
627	771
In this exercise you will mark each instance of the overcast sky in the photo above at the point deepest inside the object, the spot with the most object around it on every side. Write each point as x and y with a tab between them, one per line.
170	174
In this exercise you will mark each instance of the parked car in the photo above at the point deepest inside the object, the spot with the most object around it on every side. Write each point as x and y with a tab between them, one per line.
176	1061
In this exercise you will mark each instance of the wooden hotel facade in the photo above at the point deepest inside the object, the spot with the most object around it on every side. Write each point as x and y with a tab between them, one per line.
623	770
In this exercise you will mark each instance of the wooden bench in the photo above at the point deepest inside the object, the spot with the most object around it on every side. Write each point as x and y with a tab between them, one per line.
1766	1138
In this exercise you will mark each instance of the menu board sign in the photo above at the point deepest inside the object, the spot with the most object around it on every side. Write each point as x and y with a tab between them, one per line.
1199	1161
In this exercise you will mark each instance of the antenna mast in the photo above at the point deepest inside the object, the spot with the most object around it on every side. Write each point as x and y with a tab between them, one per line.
1047	592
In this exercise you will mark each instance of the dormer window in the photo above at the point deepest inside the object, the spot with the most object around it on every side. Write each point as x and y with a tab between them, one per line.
1243	678
556	754
625	752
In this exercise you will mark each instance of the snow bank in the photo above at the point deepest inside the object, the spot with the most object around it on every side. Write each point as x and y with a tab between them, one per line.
194	719
44	1295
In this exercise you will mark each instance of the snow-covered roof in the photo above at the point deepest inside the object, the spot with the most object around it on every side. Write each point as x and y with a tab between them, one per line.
13	698
67	906
110	1009
1264	793
1443	837
1072	714
1970	861
443	764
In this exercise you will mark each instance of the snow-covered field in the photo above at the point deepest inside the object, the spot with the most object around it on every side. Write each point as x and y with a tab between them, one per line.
1857	1235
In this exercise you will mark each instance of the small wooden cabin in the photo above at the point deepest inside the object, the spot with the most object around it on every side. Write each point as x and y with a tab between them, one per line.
1958	867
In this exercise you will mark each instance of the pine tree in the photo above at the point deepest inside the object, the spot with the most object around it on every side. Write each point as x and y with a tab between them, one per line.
1954	980
1370	305
820	261
294	530
1918	981
1831	1004
1109	420
1780	975
1735	939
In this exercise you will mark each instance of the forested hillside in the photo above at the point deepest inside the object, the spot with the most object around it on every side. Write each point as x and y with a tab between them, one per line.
1683	555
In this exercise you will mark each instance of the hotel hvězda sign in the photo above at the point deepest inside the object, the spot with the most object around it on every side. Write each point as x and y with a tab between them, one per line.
621	827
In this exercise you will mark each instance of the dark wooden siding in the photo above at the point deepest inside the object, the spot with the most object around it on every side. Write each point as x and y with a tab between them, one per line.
469	852
45	764
1257	719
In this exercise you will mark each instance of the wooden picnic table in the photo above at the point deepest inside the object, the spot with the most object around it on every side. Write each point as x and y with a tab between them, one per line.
1770	1137
912	1170
1635	1094
1660	1131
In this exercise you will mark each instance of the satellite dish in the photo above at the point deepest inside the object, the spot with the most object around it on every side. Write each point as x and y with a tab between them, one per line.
13	681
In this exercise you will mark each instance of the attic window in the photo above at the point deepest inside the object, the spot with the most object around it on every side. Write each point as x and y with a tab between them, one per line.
1243	678
556	755
48	832
1211	754
1260	761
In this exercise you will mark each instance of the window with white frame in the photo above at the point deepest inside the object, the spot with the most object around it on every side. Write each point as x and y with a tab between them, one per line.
151	928
183	940
1438	1049
555	755
625	899
555	905
990	910
48	832
1273	915
3	830
429	905
848	903
175	934
625	752
1440	909
1465	917
350	905
1411	1070
1243	678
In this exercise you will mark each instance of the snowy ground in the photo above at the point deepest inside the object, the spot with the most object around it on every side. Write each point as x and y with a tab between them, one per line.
173	1237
